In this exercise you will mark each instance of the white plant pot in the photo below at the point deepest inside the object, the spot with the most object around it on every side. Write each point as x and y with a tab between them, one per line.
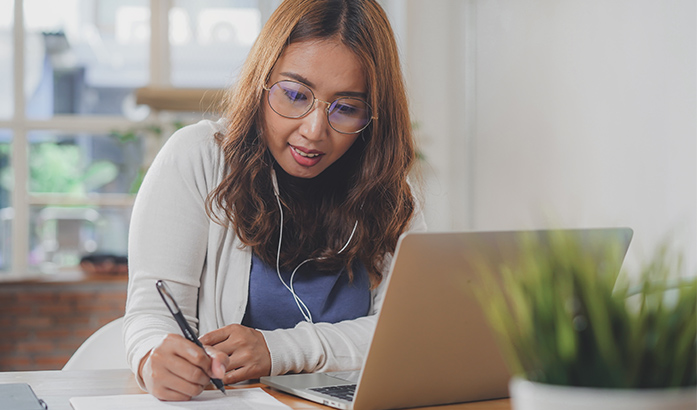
526	395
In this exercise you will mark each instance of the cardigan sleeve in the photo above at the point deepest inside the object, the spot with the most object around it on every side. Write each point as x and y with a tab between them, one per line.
167	239
323	347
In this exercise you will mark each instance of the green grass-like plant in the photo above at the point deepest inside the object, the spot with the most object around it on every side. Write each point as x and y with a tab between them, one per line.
562	319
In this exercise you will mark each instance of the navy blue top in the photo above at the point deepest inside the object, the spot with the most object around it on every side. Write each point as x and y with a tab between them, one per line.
329	296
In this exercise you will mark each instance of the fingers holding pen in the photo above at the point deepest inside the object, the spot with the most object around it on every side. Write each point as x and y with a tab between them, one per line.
178	369
209	362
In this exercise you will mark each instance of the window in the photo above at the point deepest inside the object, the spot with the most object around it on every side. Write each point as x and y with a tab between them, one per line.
73	142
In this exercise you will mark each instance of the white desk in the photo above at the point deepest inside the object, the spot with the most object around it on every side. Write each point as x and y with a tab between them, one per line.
56	387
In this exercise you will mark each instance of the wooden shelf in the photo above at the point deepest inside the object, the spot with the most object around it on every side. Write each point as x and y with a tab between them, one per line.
180	99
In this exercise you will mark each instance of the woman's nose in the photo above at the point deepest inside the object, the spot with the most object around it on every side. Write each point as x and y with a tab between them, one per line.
315	125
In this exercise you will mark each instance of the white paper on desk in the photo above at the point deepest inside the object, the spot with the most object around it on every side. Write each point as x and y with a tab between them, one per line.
252	399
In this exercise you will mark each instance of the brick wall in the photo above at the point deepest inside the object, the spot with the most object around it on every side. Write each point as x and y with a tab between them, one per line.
44	323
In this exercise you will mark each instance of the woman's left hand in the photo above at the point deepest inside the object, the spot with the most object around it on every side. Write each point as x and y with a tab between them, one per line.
246	347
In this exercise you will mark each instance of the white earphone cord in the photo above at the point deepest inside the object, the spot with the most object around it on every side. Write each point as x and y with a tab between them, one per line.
304	310
301	305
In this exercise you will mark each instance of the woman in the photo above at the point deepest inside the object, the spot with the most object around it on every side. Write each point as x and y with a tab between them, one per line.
275	226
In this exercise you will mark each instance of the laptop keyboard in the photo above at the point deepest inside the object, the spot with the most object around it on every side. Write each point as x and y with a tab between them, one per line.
344	392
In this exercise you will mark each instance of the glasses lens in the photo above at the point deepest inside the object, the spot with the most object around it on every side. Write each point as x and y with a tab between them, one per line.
349	115
290	99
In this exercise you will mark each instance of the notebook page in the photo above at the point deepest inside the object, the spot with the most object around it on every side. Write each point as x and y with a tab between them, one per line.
243	399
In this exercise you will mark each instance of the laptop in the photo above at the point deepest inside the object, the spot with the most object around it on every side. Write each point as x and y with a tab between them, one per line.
432	344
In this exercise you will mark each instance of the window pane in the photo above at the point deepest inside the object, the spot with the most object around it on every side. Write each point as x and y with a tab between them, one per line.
6	213
6	59
85	56
61	236
210	39
80	163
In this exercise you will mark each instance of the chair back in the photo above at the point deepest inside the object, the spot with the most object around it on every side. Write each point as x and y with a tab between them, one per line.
103	350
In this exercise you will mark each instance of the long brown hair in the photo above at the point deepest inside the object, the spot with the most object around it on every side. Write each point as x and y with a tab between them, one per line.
367	184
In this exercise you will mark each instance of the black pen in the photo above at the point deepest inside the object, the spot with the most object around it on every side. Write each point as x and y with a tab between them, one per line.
179	317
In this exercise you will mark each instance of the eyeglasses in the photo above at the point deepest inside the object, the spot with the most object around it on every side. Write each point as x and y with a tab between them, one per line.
347	115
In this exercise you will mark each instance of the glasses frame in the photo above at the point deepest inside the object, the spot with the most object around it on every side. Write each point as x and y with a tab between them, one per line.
312	106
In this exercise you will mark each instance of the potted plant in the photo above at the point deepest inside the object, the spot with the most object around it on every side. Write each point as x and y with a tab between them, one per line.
575	338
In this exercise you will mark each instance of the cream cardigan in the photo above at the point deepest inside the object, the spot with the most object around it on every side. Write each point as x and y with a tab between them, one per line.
207	268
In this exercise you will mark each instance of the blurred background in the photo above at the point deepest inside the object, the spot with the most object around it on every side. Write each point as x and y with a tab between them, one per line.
528	114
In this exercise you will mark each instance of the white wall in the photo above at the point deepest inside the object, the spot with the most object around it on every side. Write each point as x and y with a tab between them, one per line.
437	48
558	112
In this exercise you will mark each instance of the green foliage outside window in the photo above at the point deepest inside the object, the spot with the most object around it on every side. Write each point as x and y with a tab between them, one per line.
58	168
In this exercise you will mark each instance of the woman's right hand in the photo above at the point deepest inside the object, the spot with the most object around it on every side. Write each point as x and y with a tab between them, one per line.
177	369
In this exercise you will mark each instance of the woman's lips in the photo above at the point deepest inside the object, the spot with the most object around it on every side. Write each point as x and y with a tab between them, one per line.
305	157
